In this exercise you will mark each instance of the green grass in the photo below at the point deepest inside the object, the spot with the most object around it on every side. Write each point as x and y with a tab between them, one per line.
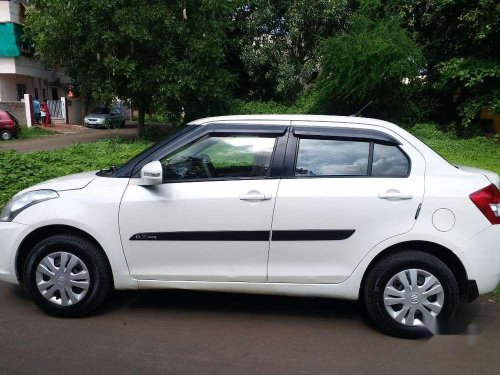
19	171
479	152
34	132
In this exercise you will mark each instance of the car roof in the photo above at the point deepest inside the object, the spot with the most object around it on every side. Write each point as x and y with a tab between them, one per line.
316	120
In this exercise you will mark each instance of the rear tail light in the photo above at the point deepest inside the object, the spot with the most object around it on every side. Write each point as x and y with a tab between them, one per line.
488	202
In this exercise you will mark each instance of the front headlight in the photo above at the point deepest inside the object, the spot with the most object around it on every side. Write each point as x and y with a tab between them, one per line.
25	200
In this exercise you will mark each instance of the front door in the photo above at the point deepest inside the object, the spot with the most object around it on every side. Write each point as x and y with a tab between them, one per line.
211	219
345	191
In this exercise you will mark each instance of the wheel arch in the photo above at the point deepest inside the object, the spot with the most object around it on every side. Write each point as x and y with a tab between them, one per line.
441	252
45	232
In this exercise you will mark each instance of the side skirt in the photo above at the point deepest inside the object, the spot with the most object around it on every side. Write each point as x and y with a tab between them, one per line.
345	290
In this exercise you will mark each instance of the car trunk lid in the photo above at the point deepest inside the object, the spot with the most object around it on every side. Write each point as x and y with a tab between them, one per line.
493	177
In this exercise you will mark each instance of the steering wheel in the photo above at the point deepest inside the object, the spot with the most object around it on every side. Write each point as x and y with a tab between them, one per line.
207	165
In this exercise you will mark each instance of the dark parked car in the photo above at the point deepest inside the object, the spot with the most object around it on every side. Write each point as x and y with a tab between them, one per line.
9	125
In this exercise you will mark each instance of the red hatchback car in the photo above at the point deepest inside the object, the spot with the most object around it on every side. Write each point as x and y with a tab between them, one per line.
9	125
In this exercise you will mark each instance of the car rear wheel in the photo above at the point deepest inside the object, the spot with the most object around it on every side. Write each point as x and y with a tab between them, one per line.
407	293
5	135
67	276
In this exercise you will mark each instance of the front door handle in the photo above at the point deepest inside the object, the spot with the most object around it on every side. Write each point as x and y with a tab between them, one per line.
395	195
255	196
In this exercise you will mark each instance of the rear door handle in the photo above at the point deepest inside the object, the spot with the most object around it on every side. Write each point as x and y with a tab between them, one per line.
395	196
255	196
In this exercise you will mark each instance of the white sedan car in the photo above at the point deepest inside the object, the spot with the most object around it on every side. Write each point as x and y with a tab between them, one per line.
321	206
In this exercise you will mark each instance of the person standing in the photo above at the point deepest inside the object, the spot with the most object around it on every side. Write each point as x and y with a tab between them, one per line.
36	110
45	114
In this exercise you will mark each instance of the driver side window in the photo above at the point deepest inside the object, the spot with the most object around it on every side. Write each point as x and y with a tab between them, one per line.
220	157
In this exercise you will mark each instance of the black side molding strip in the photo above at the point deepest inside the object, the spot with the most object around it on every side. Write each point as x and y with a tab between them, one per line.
203	236
312	235
278	235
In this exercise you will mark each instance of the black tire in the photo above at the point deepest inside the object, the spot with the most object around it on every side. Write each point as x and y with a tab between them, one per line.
122	124
373	289
101	282
5	135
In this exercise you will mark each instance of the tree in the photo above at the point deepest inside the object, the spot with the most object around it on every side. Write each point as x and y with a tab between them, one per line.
373	61
461	42
167	53
274	44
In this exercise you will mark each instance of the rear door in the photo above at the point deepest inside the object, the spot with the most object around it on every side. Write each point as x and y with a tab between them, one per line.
344	190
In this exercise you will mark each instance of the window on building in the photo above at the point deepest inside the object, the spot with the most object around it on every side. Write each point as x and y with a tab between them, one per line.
36	93
21	90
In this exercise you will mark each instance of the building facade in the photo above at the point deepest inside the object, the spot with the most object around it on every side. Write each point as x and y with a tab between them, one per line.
20	73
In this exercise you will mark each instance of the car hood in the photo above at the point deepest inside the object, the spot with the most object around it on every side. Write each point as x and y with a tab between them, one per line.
97	115
71	182
490	175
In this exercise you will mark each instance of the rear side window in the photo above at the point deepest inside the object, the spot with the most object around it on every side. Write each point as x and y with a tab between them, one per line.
320	157
389	161
333	157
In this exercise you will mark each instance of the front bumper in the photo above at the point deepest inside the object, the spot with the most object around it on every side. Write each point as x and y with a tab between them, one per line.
94	124
482	259
11	236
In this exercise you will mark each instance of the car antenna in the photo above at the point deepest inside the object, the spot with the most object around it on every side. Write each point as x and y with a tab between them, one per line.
362	109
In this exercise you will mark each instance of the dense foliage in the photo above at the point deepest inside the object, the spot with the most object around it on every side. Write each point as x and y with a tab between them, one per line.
374	61
415	60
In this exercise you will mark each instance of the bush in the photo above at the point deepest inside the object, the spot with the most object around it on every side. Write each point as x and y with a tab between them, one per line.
431	131
307	103
155	133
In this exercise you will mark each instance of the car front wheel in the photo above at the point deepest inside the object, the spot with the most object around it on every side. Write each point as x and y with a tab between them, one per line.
5	135
406	293
67	276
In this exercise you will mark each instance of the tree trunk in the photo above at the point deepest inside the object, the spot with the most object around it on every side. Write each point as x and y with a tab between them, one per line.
140	120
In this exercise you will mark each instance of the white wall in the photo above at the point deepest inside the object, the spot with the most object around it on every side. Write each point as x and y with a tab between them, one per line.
30	67
5	11
8	91
76	111
7	64
9	11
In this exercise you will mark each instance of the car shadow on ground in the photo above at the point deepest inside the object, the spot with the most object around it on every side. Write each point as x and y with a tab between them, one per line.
232	303
166	301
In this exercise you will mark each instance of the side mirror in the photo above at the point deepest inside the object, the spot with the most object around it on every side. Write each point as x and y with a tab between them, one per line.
152	174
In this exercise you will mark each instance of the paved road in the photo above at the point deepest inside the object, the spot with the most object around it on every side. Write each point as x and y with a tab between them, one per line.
65	140
175	332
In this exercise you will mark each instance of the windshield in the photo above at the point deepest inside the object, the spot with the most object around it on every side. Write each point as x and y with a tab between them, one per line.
100	111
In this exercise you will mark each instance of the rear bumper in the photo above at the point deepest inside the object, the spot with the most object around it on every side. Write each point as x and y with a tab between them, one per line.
482	259
11	236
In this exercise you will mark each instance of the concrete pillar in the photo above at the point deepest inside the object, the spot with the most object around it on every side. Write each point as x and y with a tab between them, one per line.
28	104
64	109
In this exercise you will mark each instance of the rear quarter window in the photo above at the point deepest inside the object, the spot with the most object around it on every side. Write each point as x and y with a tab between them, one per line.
389	161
